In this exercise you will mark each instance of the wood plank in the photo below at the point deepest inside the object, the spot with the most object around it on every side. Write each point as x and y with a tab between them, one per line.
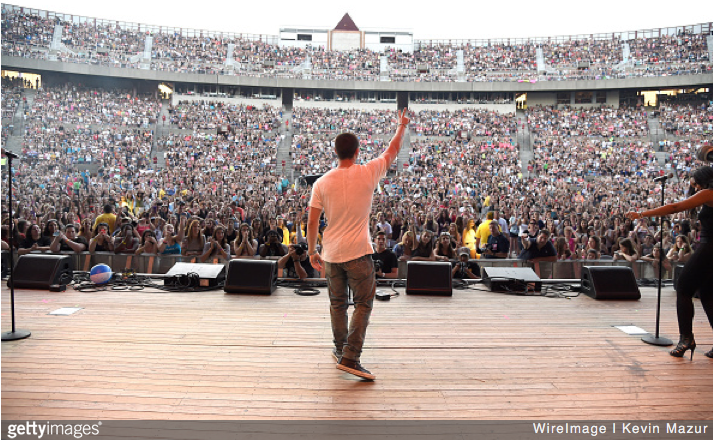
476	355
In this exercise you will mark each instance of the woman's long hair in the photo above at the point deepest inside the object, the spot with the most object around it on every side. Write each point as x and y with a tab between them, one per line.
223	240
409	234
685	239
703	177
628	245
189	228
143	236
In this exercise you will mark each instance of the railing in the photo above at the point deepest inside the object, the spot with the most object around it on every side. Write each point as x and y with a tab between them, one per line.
699	28
160	264
404	75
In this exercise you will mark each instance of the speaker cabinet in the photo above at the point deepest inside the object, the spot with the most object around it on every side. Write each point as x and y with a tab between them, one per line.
609	282
429	278
252	276
510	279
209	275
40	271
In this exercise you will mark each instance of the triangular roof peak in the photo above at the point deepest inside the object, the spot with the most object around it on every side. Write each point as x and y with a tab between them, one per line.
346	24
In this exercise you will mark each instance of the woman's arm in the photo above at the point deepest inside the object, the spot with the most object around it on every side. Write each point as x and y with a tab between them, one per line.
673	254
631	258
55	246
223	253
250	247
208	250
698	199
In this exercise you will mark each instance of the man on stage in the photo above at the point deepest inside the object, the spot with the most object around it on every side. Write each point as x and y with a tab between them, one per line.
345	194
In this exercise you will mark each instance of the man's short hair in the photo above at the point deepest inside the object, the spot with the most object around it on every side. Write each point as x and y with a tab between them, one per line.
108	208
494	222
380	234
346	145
544	232
70	225
489	215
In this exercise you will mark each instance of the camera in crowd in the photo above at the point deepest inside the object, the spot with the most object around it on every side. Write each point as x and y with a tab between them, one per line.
377	265
300	248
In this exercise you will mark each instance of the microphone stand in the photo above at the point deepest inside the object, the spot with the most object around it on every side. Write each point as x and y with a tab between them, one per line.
14	334
649	339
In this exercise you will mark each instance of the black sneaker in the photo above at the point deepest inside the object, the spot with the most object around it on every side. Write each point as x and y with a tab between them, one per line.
336	354
354	367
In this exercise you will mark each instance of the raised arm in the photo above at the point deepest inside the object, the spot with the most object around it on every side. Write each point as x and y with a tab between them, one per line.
396	142
692	202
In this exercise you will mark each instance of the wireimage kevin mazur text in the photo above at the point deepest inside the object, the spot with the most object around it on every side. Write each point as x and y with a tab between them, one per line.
594	429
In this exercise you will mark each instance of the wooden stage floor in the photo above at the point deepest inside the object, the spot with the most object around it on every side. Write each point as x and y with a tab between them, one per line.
476	355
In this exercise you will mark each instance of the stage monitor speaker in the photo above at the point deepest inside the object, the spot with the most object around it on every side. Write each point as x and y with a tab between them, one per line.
609	282
209	275
40	271
429	278
510	279
252	276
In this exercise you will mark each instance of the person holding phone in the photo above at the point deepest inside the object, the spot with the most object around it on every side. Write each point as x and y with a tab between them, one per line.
69	240
539	248
34	241
102	242
497	245
464	268
126	242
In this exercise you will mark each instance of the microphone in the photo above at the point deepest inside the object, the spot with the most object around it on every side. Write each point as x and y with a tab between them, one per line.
664	178
9	154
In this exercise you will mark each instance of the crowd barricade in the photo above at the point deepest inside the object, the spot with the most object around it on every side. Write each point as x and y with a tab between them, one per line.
160	264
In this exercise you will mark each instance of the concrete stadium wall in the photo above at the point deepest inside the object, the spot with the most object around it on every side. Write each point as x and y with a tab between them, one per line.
501	108
176	97
612	98
659	82
540	98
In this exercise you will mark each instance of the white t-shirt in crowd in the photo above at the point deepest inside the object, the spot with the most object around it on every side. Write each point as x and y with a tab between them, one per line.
346	196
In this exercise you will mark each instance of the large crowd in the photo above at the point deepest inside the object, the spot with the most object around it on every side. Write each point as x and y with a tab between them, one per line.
589	167
108	43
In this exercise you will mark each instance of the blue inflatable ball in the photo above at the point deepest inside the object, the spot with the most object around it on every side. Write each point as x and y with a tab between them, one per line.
100	274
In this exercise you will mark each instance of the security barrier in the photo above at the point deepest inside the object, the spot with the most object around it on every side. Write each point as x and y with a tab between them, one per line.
160	264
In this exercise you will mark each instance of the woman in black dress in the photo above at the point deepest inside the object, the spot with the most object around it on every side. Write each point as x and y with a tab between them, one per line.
696	275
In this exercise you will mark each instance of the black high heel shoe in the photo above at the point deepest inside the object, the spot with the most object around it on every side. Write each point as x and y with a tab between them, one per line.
685	343
709	354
